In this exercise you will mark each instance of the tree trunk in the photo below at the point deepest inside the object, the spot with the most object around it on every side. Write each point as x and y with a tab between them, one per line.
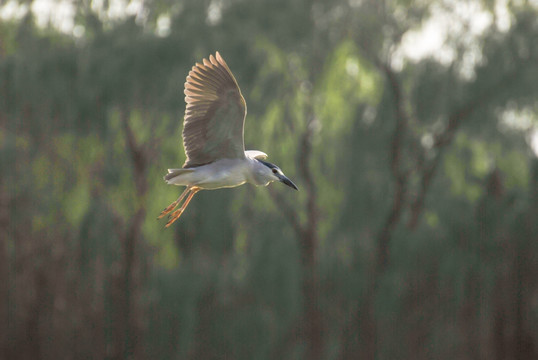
4	270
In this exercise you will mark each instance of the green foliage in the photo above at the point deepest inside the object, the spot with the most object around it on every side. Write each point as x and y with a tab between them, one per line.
89	125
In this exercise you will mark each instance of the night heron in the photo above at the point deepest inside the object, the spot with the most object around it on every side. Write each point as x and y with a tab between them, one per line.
213	138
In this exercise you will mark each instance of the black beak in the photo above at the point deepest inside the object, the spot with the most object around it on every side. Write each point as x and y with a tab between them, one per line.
287	181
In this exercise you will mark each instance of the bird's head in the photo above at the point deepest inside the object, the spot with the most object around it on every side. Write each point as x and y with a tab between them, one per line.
268	172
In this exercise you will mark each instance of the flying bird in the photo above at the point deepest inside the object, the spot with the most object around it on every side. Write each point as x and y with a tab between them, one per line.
213	138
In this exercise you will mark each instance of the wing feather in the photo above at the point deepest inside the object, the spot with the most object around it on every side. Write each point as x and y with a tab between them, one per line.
215	113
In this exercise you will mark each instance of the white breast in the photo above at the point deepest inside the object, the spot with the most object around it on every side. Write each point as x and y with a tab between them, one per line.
220	174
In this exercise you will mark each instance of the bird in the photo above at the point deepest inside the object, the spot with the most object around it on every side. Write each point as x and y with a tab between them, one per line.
213	138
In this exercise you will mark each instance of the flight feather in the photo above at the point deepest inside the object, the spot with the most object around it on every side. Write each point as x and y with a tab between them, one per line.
215	114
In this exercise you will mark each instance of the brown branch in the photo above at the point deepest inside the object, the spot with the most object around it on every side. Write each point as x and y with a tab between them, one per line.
309	236
137	156
311	326
4	269
444	139
313	319
367	325
400	176
126	332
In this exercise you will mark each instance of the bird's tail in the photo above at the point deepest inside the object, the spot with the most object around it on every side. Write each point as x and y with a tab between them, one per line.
172	173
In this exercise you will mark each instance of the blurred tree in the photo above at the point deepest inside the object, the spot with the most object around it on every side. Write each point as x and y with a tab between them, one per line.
413	235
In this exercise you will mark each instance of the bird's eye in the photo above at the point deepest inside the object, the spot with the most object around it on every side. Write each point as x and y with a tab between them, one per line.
274	171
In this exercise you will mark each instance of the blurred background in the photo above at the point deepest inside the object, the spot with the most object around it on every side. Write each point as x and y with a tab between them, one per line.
410	128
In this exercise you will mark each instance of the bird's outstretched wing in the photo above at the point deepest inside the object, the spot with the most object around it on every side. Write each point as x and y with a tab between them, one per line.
215	114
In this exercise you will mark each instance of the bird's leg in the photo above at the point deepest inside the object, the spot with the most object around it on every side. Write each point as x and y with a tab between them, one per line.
176	214
173	205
